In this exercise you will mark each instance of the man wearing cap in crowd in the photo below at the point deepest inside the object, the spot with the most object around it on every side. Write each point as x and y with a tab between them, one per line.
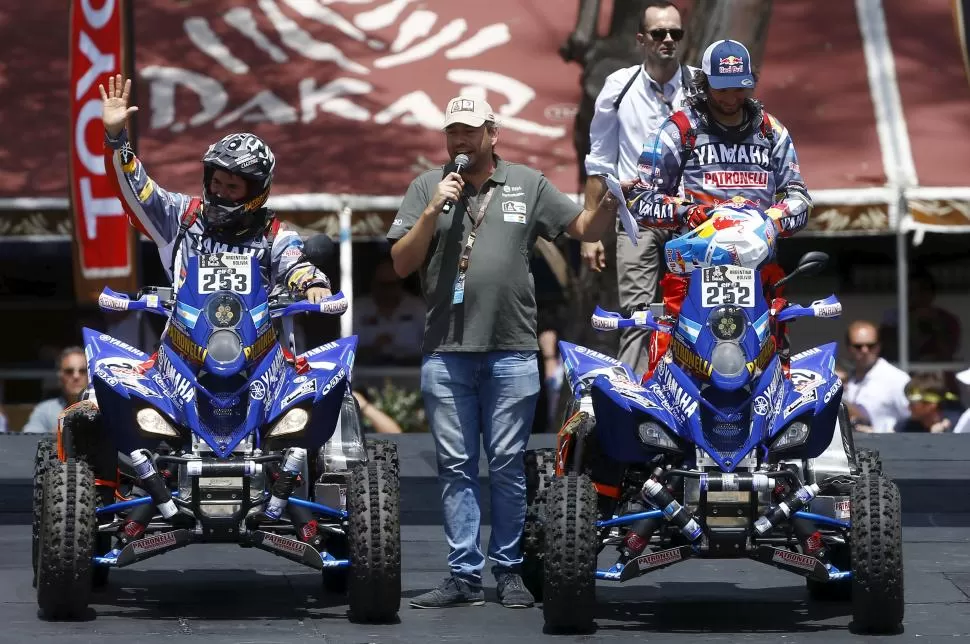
470	232
721	146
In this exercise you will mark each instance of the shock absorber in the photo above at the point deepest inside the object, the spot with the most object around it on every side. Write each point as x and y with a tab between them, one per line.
135	523
152	482
660	496
638	536
284	485
790	505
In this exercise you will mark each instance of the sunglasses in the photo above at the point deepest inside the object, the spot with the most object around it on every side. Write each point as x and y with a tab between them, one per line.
859	346
660	35
71	372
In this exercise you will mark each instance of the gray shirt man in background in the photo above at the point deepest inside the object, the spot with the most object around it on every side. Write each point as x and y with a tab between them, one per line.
72	374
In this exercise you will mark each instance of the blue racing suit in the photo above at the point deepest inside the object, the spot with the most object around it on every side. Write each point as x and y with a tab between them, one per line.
161	214
762	167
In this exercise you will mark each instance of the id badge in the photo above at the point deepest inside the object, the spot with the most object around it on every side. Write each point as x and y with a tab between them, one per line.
459	295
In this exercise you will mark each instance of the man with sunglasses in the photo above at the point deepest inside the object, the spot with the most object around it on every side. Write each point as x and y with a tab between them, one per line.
73	378
875	392
630	109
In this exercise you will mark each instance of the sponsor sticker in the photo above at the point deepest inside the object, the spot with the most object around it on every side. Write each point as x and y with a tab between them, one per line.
843	509
283	544
153	543
735	179
646	562
795	559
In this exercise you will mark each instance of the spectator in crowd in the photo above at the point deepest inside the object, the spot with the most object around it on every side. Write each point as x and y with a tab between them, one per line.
73	378
381	422
389	321
874	392
633	104
934	332
931	407
470	235
3	422
963	423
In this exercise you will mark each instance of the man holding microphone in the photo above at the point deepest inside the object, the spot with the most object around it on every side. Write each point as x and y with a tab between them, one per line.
470	228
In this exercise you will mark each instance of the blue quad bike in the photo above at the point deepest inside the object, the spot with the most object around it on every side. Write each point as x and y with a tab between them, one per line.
718	454
217	438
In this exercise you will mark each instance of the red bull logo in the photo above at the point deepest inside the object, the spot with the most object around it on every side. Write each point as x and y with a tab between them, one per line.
731	60
723	221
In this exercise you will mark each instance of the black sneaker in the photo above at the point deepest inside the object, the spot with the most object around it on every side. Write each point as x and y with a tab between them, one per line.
512	593
451	592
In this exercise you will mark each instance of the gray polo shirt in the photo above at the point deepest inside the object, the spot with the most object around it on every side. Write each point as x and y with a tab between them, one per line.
43	418
499	308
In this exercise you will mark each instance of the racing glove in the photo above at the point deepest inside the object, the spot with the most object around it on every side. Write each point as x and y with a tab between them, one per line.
695	216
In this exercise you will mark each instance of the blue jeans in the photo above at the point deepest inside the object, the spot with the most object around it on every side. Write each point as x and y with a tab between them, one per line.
492	394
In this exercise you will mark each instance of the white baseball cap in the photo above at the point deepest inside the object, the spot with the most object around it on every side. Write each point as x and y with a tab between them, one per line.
964	377
470	111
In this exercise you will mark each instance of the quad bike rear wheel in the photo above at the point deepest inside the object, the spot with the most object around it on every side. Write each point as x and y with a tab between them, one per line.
67	540
335	579
540	469
569	562
374	539
43	457
384	451
869	461
877	555
834	591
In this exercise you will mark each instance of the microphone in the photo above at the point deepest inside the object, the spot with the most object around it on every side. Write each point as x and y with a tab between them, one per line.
461	162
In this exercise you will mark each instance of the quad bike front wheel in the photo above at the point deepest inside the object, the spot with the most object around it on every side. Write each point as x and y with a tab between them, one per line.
43	457
877	555
67	540
569	561
540	469
374	540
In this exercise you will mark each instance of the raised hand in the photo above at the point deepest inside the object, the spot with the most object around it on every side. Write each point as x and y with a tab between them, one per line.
114	104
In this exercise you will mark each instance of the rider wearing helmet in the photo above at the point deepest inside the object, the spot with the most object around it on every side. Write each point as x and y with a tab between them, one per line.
231	215
722	147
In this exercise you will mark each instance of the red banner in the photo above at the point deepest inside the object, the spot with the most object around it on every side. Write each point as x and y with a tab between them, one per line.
350	95
103	240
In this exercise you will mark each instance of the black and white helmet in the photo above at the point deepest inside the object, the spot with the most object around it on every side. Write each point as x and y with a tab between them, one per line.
247	156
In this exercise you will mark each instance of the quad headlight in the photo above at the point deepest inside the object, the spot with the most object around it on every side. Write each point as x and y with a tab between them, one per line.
654	435
151	421
727	359
728	323
292	422
224	346
793	435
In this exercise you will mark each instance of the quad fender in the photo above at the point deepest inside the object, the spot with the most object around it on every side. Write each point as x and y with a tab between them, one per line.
579	363
321	388
124	380
813	392
620	405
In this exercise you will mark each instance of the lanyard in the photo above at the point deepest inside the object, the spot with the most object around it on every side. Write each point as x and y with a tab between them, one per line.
477	221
